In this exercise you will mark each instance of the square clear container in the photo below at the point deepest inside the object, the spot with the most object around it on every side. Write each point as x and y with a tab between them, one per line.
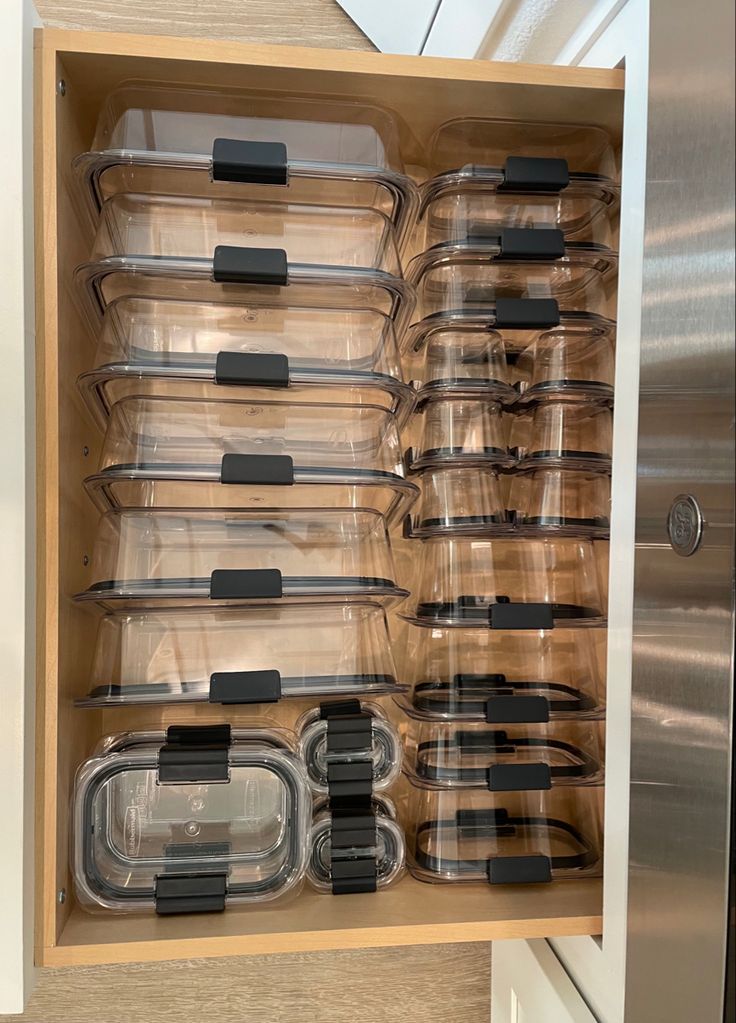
564	435
154	559
197	350
483	675
189	828
448	430
505	584
199	142
355	851
175	453
511	759
460	501
240	656
524	837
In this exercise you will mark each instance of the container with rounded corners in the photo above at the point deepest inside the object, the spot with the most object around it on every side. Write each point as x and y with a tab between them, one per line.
355	851
155	558
483	675
505	583
192	826
567	363
560	502
564	435
262	731
350	748
456	501
213	350
516	757
462	360
240	656
451	431
176	453
513	837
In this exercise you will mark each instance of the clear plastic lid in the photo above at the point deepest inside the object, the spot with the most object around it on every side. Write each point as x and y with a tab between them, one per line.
501	677
506	583
458	431
560	501
525	837
190	827
565	435
456	501
151	559
355	851
568	363
174	453
240	656
197	350
510	759
350	749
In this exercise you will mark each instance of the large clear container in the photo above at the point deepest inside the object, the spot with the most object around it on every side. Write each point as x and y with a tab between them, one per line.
458	431
505	583
189	827
153	559
354	851
210	350
525	837
501	677
175	453
510	759
457	501
564	435
237	656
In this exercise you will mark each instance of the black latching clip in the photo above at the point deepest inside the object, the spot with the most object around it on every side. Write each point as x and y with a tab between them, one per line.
190	893
353	852
194	753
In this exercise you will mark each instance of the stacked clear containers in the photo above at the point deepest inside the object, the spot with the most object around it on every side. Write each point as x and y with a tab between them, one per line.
512	353
244	289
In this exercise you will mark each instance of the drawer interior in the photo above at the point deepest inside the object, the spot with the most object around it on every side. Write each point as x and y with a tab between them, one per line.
74	73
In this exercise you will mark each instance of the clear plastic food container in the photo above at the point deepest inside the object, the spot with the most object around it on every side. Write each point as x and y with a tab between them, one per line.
350	748
457	501
525	837
191	827
458	431
199	142
501	677
240	656
152	559
208	350
565	435
569	363
175	453
505	583
458	358
560	501
511	759
355	851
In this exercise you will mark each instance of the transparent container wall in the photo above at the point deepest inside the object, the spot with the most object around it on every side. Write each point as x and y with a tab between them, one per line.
564	434
467	362
172	656
176	227
515	757
501	677
131	828
565	362
560	501
455	501
452	431
377	864
501	584
525	837
157	558
171	349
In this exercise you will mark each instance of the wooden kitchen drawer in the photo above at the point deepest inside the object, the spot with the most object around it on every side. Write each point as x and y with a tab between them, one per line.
74	73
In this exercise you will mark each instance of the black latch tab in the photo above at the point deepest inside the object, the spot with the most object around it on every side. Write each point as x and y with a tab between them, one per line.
232	264
257	470
257	163
235	687
532	243
353	831
510	615
190	893
534	174
245	584
199	755
253	369
526	313
353	876
519	777
338	708
350	782
349	734
508	710
519	870
198	735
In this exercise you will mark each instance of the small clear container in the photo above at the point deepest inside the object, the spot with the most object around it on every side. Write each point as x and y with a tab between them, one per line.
207	350
175	453
525	837
240	656
564	435
560	502
569	364
459	431
501	678
457	501
354	851
154	559
341	734
462	360
191	827
506	584
511	759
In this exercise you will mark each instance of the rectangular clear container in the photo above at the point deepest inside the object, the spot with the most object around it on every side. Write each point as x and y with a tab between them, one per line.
156	558
196	350
240	656
175	453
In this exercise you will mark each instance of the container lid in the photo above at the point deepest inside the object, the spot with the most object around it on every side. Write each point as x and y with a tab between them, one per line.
244	656
355	851
174	453
190	827
262	733
164	559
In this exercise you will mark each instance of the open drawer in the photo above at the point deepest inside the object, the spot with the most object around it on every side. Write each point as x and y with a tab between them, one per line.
74	74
